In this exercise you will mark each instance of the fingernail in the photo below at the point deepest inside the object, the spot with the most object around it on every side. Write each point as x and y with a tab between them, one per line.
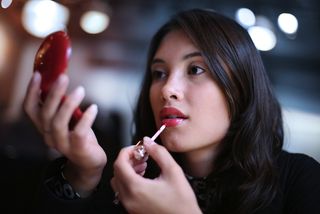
94	108
36	77
62	78
79	92
148	141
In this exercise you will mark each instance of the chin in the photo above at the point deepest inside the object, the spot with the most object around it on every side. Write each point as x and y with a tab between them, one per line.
174	147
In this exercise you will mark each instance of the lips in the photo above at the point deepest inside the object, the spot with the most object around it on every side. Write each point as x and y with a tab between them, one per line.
172	116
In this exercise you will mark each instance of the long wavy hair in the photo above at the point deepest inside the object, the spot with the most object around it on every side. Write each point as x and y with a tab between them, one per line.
245	175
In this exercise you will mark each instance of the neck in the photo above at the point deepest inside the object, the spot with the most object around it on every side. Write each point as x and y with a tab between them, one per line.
199	163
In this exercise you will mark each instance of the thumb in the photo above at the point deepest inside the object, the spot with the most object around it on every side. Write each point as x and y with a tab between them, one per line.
162	157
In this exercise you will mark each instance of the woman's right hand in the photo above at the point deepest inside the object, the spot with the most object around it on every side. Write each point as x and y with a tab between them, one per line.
86	158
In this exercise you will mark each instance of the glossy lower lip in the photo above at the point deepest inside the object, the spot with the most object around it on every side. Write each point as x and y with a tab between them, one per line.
172	122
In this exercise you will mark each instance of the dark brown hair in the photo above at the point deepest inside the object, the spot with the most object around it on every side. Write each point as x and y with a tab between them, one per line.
255	136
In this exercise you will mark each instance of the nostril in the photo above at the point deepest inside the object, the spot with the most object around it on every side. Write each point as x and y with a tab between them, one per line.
173	96
169	97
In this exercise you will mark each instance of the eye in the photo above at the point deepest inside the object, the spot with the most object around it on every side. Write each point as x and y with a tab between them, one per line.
158	74
195	70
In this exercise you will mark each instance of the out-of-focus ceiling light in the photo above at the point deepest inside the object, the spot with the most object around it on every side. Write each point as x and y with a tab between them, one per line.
42	17
288	23
262	34
94	22
5	3
245	17
96	18
263	38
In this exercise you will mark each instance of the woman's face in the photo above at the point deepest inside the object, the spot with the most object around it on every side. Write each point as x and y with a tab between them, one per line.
185	97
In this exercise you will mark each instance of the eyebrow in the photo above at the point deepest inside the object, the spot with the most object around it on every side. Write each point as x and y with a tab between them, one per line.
190	55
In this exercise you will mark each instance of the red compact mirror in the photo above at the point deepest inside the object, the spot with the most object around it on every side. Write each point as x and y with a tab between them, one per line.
50	61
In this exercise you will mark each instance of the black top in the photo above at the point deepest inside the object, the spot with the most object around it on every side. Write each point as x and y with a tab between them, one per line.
299	191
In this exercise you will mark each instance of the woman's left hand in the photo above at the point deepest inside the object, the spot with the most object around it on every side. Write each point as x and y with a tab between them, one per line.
168	193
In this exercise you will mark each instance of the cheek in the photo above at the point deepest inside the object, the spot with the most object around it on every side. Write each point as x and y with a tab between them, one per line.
213	111
154	98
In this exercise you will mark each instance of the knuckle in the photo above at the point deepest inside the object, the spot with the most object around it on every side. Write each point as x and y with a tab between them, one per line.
55	128
69	103
56	124
44	114
59	121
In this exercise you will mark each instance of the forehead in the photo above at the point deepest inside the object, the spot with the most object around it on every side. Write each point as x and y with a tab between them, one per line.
174	43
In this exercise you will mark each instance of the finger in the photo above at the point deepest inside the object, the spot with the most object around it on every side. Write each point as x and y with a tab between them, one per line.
140	165
53	100
32	107
140	168
31	101
50	109
86	121
138	161
124	166
161	156
83	127
64	114
70	104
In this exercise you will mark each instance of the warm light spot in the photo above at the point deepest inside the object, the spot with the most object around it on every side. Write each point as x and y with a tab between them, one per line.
42	17
94	22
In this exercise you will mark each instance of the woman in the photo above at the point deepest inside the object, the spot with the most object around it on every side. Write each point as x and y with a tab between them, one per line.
221	151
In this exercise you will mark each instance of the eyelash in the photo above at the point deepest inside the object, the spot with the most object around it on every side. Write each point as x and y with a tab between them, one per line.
159	74
191	70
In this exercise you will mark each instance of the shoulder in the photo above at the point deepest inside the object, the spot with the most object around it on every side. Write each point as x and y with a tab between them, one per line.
295	164
298	169
299	182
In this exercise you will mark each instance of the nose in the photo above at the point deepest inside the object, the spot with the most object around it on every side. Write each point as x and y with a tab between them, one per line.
173	89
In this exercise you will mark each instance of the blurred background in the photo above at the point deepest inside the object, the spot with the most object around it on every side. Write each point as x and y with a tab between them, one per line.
109	43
